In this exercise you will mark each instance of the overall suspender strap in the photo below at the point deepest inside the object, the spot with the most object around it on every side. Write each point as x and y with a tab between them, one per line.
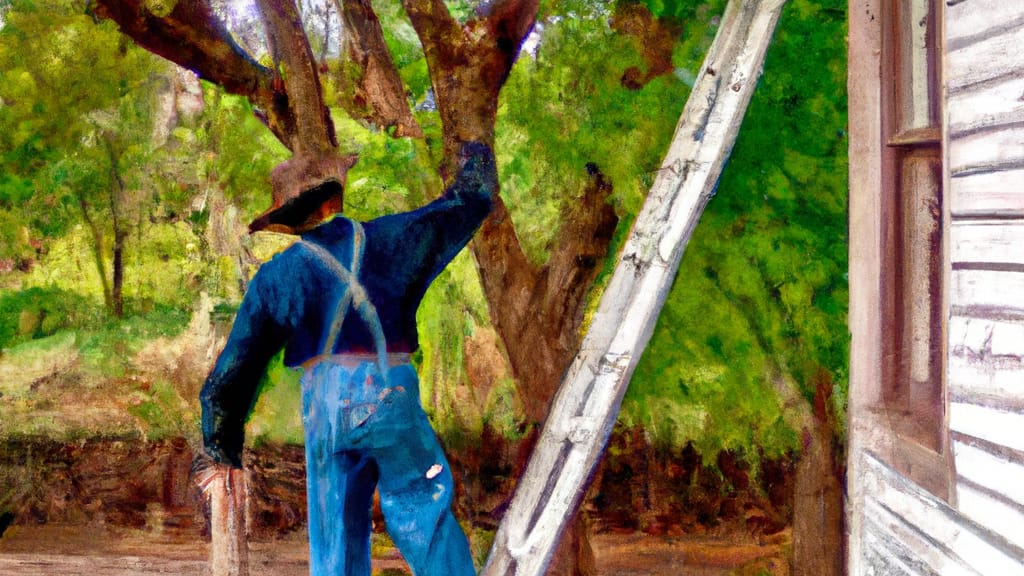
354	295
349	279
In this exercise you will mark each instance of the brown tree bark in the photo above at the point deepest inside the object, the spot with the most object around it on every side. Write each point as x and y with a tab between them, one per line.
192	36
296	68
655	39
116	198
311	138
97	250
370	85
818	495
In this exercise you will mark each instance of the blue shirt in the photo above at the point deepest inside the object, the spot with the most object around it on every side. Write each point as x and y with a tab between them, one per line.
292	299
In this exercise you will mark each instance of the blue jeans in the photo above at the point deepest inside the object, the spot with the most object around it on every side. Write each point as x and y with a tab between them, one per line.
363	433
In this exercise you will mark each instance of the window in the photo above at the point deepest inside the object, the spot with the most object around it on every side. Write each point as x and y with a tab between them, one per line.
912	391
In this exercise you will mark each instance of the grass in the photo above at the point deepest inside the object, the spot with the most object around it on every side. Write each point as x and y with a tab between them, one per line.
84	381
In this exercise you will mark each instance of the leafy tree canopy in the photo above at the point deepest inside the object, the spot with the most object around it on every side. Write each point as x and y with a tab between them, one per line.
762	290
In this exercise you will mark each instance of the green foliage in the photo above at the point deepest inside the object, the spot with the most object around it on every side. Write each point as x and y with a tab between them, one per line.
224	148
41	312
277	416
404	45
15	242
683	10
762	290
161	411
165	267
392	175
453	308
567	107
77	125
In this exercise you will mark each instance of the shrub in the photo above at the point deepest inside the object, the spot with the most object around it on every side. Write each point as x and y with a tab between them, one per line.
39	312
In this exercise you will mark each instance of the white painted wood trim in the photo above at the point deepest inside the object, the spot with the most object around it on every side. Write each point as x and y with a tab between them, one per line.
987	149
865	255
941	524
986	378
974	18
998	517
988	107
886	530
982	339
587	402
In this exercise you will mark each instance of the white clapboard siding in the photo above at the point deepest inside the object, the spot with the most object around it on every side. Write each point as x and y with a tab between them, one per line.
990	471
994	289
969	377
993	57
971	18
987	241
987	150
986	107
890	548
993	425
986	338
998	292
1002	518
939	535
987	193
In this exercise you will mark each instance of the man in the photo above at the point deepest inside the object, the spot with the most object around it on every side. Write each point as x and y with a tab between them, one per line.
342	304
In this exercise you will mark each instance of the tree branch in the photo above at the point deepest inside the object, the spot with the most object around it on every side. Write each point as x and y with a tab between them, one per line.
509	22
438	31
192	36
507	275
375	93
469	64
313	132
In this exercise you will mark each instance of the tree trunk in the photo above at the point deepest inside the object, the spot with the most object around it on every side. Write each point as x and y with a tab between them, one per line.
537	312
117	268
313	131
587	403
371	87
97	251
818	495
117	199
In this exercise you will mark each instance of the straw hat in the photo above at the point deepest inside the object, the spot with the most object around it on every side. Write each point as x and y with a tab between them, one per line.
305	191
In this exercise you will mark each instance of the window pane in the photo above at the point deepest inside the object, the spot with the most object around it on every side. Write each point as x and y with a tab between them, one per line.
921	238
917	106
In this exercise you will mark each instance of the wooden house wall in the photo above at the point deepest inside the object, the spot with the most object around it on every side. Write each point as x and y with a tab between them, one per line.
984	76
896	526
908	532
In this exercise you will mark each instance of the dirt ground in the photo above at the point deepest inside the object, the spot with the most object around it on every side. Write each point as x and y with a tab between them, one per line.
99	551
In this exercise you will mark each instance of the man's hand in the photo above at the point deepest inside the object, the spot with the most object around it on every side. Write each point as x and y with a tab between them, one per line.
206	469
478	150
476	167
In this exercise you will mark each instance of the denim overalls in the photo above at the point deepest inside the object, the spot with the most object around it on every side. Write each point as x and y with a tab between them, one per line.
365	428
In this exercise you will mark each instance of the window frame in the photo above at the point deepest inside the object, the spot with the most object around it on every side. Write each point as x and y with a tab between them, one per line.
914	236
